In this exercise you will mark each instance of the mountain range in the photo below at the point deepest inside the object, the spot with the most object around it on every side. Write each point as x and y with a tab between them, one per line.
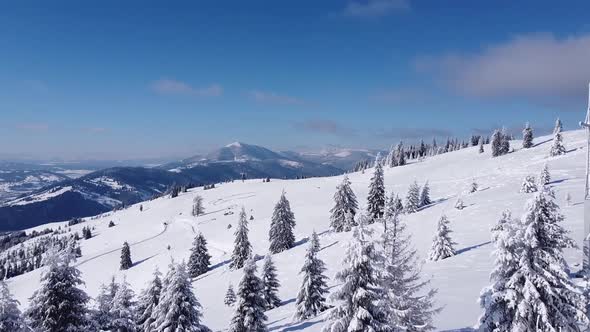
100	191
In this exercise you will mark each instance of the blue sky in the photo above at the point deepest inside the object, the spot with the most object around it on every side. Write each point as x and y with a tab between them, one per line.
135	79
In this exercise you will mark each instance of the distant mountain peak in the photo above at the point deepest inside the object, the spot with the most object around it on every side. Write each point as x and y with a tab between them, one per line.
235	144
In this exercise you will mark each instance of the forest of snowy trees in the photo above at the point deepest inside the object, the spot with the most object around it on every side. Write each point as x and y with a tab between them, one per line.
381	284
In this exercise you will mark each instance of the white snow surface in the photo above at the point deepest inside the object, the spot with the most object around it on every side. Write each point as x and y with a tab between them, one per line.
459	279
39	197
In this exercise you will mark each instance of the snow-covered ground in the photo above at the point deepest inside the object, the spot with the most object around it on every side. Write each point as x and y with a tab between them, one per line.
167	222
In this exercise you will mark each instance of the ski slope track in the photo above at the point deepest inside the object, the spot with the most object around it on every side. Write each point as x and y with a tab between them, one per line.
165	229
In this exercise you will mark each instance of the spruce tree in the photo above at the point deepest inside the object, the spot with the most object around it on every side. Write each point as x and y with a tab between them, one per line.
546	297
481	145
199	260
400	154
528	185
242	247
545	176
148	301
505	142
425	196
178	308
442	244
473	187
281	235
344	202
413	198
249	310
198	208
126	257
497	300
357	307
10	316
557	148
102	315
496	143
59	305
230	296
408	301
527	136
311	297
376	197
123	309
459	205
270	284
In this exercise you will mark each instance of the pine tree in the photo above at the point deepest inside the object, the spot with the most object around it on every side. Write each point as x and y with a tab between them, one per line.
497	300
557	148
357	307
442	244
311	299
425	196
148	301
546	297
270	284
59	305
102	315
545	176
527	136
528	185
11	319
505	142
249	310
242	247
481	145
400	154
496	143
473	187
123	309
126	257
344	202
376	197
409	305
558	126
230	296
413	198
281	235
198	208
459	205
178	308
199	260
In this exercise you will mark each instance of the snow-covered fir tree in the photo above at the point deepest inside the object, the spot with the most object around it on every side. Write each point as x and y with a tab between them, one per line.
358	307
123	309
408	301
249	310
148	301
59	305
281	235
545	176
101	314
459	205
344	202
11	319
425	196
557	148
400	154
126	262
198	208
270	284
178	308
505	142
558	126
528	184
413	198
242	247
546	297
376	197
481	145
527	136
230	296
199	260
442	244
497	300
496	143
311	297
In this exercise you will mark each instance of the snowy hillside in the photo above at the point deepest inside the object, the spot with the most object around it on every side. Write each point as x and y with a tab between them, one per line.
167	222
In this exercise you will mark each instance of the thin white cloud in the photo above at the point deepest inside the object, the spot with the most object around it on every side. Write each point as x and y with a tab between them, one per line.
273	98
169	86
33	126
375	8
532	66
324	127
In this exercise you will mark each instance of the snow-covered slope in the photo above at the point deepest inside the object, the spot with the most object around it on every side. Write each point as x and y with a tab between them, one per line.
167	222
